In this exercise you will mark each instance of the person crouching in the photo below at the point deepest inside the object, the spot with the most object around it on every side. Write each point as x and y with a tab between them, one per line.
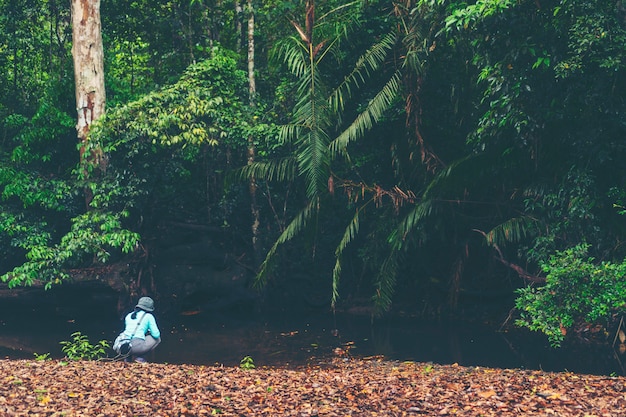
141	327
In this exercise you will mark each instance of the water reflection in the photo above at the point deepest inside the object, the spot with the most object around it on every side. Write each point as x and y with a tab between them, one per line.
284	339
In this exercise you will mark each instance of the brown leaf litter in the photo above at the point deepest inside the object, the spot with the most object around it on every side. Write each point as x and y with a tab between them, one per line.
343	387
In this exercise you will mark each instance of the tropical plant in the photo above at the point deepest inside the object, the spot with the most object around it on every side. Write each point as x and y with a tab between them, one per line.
417	177
578	290
42	357
313	134
79	348
246	363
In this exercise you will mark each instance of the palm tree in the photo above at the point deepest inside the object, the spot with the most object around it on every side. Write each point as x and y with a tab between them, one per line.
311	132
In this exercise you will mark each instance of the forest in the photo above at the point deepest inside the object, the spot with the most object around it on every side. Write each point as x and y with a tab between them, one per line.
414	155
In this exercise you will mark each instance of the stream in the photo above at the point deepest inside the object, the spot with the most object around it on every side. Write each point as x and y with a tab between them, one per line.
206	338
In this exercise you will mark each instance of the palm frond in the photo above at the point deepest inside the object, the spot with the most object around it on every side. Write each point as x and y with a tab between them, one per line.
327	47
277	170
451	171
385	284
293	53
446	181
349	234
417	42
314	162
312	112
365	120
288	132
338	9
316	111
366	64
512	230
419	212
298	224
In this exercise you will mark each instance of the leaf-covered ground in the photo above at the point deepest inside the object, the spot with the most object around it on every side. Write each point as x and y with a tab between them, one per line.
340	388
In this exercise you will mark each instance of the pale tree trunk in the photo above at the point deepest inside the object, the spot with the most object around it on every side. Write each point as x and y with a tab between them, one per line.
251	147
251	78
238	25
88	55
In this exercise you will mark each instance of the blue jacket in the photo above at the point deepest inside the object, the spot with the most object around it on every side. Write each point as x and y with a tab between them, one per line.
148	324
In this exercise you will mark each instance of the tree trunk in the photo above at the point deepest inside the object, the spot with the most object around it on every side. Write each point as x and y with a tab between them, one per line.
251	147
238	25
88	56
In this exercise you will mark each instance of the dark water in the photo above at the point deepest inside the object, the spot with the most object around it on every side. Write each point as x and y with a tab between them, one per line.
288	339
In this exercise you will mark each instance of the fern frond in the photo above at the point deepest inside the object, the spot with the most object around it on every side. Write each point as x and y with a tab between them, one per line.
365	120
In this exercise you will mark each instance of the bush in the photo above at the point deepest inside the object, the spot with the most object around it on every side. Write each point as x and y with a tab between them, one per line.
577	290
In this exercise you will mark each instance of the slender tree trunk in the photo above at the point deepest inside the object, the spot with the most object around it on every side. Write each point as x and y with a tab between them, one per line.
88	56
217	20
251	78
251	147
238	25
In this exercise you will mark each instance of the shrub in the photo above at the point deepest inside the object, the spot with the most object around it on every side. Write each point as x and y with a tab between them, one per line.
577	290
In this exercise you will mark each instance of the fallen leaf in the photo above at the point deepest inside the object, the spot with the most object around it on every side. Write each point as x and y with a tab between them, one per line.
487	394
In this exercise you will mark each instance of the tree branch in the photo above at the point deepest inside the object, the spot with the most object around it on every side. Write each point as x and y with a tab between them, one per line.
525	275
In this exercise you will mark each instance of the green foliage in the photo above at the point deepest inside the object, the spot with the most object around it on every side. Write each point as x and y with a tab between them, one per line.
504	117
91	233
247	363
42	357
128	72
463	17
596	34
36	189
204	107
33	190
577	290
171	143
427	369
154	42
79	348
30	57
542	96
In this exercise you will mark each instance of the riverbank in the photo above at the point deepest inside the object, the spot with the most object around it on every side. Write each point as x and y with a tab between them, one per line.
343	387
